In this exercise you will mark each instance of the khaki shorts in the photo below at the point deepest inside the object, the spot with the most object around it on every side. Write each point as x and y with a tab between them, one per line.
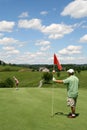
71	102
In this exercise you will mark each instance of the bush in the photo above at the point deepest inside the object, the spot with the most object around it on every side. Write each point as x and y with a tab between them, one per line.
2	85
8	83
47	77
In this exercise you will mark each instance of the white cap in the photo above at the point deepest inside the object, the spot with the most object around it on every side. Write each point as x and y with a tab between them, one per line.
70	71
53	71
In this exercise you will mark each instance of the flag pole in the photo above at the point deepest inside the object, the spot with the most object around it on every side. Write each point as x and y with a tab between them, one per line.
52	107
56	62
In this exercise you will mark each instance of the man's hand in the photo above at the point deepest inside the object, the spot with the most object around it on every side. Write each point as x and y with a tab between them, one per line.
54	79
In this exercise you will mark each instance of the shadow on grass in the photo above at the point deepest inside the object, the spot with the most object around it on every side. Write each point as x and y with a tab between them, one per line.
63	114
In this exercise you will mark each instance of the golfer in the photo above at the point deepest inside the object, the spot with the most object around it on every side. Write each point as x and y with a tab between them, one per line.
72	91
16	82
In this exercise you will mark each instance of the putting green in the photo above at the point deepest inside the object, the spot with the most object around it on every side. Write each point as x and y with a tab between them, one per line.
31	109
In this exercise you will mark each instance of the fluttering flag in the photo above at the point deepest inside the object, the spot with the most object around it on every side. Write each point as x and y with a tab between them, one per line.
56	62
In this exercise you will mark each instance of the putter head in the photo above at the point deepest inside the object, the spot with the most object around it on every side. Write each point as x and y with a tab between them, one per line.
52	115
59	113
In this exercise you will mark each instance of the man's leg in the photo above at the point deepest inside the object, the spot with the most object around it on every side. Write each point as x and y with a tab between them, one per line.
72	104
73	110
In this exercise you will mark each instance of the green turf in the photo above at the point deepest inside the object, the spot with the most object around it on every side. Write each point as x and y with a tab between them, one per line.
31	109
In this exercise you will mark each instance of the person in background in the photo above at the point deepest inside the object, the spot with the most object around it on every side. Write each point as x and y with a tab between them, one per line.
16	82
72	83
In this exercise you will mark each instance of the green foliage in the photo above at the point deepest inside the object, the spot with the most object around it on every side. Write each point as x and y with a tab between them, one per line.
47	77
58	74
8	83
2	85
79	71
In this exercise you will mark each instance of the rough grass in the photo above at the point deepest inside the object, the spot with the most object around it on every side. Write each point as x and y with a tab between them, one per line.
26	78
32	79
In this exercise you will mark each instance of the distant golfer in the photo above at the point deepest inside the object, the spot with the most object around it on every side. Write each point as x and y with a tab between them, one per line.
72	90
16	81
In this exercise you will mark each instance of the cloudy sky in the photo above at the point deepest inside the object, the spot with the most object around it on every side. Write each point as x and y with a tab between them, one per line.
31	31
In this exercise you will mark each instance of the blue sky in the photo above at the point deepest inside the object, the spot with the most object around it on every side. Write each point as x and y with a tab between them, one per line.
31	31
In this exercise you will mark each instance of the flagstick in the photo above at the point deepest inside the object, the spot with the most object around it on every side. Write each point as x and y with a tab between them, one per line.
52	108
56	62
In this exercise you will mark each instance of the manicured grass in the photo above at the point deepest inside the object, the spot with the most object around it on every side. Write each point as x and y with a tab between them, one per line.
30	109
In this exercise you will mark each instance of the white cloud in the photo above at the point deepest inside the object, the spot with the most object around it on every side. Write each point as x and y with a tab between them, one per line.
45	45
39	57
76	9
9	48
74	59
71	50
23	15
6	26
9	51
44	13
10	41
42	43
7	40
78	25
13	52
56	31
45	48
83	39
33	24
31	58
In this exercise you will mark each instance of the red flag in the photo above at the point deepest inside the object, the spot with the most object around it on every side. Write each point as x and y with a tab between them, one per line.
56	62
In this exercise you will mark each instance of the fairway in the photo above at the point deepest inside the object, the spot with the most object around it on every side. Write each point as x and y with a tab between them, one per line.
31	109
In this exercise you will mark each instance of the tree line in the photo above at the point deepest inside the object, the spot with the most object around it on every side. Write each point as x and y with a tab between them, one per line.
36	67
79	67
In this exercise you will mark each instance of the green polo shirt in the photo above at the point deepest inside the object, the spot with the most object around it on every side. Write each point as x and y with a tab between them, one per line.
72	86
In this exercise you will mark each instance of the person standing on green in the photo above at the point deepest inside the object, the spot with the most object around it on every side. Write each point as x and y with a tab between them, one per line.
72	83
16	82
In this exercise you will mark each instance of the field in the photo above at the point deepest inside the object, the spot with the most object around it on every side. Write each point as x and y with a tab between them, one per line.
32	79
30	108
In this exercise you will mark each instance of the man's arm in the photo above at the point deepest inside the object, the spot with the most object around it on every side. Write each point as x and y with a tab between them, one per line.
58	81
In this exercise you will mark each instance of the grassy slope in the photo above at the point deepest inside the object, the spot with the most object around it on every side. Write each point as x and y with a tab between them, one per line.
26	78
31	79
30	109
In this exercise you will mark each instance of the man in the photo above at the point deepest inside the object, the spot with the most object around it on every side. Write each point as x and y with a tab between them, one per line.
72	90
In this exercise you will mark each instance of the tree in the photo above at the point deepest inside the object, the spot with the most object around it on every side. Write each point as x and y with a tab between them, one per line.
47	77
8	83
58	74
